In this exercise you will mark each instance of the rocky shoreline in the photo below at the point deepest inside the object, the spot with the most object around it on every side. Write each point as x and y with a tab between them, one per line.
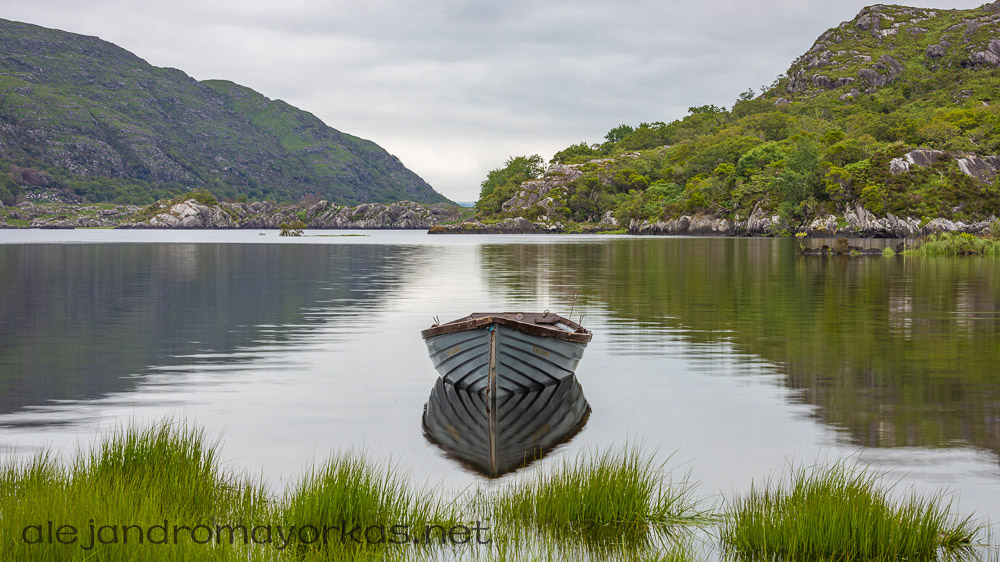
193	214
854	222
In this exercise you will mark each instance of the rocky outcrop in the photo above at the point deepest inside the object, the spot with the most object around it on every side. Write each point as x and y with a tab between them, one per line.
536	192
864	223
401	215
935	51
319	215
856	221
191	214
66	215
872	50
758	223
264	215
988	56
983	168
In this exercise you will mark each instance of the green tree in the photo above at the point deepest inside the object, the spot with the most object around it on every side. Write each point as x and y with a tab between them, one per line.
501	183
618	133
799	182
577	154
8	190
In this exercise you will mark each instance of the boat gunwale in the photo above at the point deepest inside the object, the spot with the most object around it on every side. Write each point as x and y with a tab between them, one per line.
528	326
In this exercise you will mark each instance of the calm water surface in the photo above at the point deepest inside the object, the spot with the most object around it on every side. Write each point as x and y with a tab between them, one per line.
735	355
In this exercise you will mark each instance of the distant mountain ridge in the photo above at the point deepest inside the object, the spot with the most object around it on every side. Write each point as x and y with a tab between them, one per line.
87	116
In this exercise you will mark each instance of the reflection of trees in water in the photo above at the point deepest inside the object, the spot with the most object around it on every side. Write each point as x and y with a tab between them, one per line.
899	352
74	319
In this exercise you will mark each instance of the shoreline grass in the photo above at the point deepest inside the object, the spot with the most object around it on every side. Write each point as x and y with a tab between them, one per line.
134	477
947	244
349	492
610	500
612	504
841	512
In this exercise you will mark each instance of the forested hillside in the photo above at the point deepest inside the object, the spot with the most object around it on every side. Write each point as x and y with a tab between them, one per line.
896	111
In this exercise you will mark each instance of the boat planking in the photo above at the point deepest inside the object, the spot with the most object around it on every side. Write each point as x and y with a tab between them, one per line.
499	353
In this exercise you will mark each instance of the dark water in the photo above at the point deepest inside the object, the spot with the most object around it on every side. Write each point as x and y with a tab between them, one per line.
735	355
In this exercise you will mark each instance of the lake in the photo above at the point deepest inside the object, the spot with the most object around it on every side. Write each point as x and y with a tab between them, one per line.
734	357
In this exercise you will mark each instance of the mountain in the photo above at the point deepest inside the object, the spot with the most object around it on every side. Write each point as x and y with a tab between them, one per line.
95	120
883	45
889	124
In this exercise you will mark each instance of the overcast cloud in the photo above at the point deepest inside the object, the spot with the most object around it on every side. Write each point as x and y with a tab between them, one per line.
454	88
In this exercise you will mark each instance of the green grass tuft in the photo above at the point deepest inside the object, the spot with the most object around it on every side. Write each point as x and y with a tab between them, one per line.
615	497
840	512
163	475
349	491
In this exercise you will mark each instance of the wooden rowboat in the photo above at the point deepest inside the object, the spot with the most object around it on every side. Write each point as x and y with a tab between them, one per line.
519	429
497	353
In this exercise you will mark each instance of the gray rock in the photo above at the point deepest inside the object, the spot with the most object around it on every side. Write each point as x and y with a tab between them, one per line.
989	56
977	167
924	157
898	166
609	220
868	22
852	94
759	223
873	77
935	51
533	191
798	82
822	226
823	82
859	218
399	215
939	225
900	228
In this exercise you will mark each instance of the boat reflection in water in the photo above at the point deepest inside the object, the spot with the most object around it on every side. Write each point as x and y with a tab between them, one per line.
522	427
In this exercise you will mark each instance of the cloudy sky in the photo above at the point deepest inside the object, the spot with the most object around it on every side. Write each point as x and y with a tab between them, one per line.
453	87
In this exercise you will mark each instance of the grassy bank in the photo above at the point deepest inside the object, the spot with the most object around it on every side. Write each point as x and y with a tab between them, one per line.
947	244
160	493
841	512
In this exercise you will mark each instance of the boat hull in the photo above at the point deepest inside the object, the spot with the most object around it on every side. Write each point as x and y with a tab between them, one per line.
522	361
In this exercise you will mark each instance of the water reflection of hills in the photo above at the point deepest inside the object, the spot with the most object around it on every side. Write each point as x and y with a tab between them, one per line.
899	352
75	319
